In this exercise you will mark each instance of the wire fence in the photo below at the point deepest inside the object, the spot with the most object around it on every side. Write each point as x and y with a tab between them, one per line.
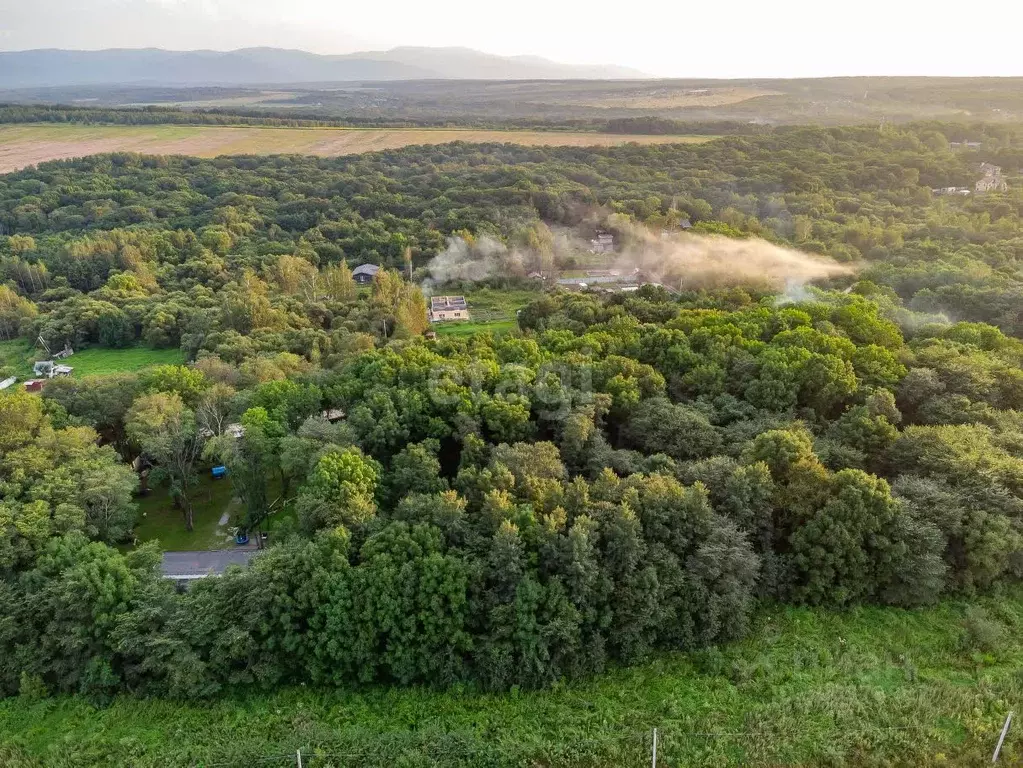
655	747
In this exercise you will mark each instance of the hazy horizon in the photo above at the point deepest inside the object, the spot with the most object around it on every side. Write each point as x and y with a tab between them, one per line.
791	38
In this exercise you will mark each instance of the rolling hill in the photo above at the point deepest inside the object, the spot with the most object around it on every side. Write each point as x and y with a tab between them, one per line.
263	66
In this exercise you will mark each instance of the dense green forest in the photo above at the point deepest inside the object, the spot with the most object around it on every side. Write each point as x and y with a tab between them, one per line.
623	474
148	243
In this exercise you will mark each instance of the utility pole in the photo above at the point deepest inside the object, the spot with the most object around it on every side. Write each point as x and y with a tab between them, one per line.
654	762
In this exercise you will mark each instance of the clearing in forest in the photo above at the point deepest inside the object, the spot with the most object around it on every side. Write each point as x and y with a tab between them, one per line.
24	145
99	361
17	356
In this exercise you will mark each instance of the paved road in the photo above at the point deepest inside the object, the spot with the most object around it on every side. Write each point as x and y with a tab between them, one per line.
185	566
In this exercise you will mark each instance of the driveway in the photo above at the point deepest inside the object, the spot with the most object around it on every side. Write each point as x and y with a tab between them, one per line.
185	566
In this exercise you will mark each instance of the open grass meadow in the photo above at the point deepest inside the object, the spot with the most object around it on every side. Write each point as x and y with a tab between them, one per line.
870	687
28	144
468	328
18	356
98	361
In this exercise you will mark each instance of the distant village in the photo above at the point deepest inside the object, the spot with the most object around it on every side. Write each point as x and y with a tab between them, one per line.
992	180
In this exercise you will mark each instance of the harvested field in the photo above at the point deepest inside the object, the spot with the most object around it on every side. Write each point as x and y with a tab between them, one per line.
681	98
24	145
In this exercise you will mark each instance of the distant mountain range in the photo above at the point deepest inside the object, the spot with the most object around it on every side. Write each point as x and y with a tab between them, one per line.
267	66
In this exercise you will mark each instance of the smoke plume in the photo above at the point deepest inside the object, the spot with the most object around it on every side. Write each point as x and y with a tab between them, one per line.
473	262
691	261
679	261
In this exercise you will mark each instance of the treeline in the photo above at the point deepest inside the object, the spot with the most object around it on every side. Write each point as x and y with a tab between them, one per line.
299	118
287	118
157	115
662	126
629	474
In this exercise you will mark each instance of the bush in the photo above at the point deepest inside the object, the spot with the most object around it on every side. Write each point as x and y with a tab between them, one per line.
981	632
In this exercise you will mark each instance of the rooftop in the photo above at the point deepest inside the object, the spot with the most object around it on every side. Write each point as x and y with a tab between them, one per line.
448	302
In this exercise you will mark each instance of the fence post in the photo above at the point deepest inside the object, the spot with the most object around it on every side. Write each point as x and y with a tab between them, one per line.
654	763
1005	730
298	754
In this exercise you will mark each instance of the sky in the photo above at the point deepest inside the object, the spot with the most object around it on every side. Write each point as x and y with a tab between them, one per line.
669	38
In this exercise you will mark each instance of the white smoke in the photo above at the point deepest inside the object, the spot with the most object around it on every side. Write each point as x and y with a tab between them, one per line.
680	261
690	260
462	261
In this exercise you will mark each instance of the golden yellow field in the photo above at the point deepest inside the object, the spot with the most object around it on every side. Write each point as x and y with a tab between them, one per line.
677	98
23	145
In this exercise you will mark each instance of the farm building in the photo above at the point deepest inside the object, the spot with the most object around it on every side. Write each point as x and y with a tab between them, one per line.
602	243
364	273
50	369
992	181
34	385
8	382
448	308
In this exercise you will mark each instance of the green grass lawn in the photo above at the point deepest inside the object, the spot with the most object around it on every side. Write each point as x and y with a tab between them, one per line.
98	361
868	687
490	309
455	328
17	356
496	301
160	520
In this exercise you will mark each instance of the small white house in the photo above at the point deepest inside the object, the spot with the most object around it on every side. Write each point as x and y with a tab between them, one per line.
448	308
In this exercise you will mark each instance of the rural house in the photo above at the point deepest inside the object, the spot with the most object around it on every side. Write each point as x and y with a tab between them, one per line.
364	273
602	243
992	180
448	308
